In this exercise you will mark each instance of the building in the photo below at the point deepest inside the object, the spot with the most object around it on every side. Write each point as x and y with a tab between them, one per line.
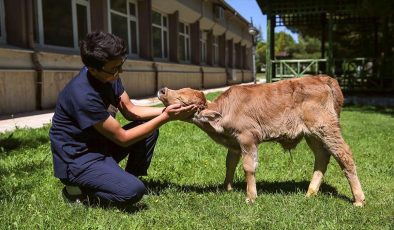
173	43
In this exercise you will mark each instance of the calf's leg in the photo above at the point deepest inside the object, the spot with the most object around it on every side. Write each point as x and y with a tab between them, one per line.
335	144
322	157
232	160
250	164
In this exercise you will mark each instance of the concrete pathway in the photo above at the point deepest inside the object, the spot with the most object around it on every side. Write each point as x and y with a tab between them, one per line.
38	119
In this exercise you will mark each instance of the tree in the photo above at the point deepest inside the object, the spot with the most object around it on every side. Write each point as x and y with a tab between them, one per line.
307	47
260	55
283	41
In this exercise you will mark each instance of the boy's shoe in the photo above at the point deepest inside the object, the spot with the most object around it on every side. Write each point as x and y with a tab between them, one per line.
73	194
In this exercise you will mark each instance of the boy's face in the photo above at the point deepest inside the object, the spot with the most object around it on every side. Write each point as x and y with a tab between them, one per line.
110	71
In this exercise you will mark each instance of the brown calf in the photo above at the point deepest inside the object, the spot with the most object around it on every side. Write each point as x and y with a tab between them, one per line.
286	111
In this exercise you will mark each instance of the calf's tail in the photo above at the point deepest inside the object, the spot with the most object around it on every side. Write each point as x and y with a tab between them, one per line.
337	94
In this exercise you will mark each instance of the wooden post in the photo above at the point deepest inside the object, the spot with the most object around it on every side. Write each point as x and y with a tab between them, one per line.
323	35
271	47
330	61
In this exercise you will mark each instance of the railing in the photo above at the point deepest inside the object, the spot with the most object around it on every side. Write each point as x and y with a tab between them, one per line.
297	68
353	74
357	73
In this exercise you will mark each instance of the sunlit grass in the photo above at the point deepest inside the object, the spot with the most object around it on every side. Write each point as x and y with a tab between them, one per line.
185	178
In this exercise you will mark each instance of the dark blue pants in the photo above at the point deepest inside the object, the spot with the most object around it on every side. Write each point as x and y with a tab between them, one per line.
107	181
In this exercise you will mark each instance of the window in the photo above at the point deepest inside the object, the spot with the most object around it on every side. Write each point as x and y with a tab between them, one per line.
82	20
184	42
2	21
61	22
203	46
160	35
124	22
234	63
226	58
215	45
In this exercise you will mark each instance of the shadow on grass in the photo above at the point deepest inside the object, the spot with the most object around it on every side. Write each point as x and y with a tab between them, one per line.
129	209
10	142
280	187
28	169
29	176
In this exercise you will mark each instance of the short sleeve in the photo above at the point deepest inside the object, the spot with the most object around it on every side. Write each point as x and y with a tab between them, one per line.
89	109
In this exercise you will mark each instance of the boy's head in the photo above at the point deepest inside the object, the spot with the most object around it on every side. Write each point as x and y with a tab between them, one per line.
100	47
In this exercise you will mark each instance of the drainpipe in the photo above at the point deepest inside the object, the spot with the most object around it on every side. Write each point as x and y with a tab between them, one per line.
202	77
34	56
156	70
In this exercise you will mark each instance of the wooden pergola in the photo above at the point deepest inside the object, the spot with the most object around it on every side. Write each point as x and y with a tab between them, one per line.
324	17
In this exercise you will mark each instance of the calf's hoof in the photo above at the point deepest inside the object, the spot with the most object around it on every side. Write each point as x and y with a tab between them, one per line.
359	203
249	200
311	193
228	188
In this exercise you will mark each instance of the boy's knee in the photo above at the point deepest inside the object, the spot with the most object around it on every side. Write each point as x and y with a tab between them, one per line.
132	193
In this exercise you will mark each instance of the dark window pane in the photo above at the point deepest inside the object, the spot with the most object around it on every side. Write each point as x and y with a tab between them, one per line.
119	5
132	9
119	27
133	33
58	23
187	49
35	22
156	18
181	27
202	52
82	20
164	21
165	44
157	42
181	47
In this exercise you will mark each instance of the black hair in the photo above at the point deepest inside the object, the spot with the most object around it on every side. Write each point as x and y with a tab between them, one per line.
100	47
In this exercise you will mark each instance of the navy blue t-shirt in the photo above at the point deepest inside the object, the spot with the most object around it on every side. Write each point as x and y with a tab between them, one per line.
84	102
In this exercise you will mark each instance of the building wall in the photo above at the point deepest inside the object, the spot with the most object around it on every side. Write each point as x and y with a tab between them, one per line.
17	82
32	73
17	91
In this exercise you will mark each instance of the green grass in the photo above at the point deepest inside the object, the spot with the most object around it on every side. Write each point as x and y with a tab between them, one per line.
185	180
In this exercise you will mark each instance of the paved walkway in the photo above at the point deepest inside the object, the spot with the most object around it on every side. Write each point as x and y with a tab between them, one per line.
38	119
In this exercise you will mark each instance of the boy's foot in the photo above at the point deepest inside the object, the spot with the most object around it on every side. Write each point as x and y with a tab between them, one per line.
72	194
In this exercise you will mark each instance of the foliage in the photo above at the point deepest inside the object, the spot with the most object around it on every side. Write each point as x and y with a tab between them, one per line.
261	50
307	47
283	42
185	177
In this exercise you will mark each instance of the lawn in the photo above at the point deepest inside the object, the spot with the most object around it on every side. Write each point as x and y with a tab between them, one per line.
185	178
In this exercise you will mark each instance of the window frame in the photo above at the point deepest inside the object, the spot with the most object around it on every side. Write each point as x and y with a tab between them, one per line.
234	64
203	47
186	42
40	24
129	18
3	35
215	44
162	29
85	3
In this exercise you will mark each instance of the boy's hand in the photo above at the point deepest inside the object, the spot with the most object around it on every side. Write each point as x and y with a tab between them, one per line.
177	112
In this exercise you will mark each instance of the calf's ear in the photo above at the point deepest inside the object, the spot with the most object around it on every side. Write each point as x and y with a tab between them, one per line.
210	115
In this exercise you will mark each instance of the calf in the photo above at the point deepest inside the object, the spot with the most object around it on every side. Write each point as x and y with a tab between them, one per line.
286	111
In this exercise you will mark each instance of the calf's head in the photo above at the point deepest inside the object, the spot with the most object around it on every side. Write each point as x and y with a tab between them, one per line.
188	96
185	97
